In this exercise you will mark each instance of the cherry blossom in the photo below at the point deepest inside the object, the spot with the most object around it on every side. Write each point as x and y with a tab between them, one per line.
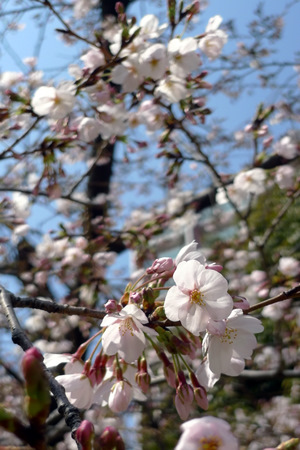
252	181
125	333
128	74
206	432
88	129
214	40
289	266
286	148
230	341
285	177
154	61
78	386
172	89
183	57
56	103
199	294
188	252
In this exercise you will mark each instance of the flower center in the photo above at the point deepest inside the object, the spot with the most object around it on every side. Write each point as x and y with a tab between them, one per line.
210	443
229	336
127	325
197	297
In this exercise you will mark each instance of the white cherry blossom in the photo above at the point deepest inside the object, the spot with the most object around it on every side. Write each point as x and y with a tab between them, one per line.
189	252
112	118
214	40
154	61
56	103
206	433
252	181
128	74
125	333
88	129
172	88
183	57
286	148
232	341
92	59
199	294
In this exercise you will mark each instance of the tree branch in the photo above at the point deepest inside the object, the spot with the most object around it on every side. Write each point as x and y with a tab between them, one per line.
68	411
292	293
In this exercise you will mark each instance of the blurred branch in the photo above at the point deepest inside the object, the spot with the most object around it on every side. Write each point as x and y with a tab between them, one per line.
292	293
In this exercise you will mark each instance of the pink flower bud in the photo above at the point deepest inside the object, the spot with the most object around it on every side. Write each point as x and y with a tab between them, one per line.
142	377
240	302
110	439
184	397
168	370
199	392
161	265
135	297
85	435
120	396
214	266
111	306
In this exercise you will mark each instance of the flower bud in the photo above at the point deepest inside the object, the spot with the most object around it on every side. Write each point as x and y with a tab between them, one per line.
184	397
142	377
111	306
169	370
85	435
110	439
199	392
37	399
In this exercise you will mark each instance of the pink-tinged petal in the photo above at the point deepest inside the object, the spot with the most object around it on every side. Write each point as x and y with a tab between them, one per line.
102	392
211	280
109	319
111	339
205	376
195	320
245	322
174	300
244	344
133	348
136	312
120	396
236	367
219	356
220	308
187	274
54	359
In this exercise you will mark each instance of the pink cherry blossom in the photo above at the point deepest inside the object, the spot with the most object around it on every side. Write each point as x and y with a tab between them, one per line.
206	432
125	333
199	294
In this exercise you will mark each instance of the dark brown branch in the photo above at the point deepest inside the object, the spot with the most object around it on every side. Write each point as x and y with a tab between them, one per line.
52	307
68	411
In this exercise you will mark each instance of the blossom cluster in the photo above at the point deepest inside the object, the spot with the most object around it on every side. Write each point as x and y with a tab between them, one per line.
215	338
